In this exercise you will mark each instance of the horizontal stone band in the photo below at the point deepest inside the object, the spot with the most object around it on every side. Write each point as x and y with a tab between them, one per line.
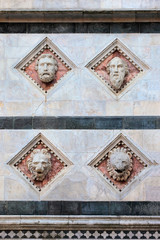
80	208
129	122
70	27
77	222
80	16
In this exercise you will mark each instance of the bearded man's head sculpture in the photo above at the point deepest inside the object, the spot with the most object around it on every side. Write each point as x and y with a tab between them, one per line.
117	69
39	164
46	67
119	164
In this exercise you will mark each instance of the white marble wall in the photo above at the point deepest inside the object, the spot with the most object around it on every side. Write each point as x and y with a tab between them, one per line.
80	4
81	93
81	182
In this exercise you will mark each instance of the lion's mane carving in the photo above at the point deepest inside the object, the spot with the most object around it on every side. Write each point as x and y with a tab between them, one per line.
119	164
39	164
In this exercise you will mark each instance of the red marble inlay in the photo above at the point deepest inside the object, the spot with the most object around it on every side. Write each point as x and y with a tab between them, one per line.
137	167
102	70
57	166
62	70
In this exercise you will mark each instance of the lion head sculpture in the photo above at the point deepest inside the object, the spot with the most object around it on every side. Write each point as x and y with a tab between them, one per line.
39	164
119	164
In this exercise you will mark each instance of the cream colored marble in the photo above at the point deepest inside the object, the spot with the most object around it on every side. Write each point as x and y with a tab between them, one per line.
81	93
119	108
80	146
150	140
142	108
80	4
23	192
1	188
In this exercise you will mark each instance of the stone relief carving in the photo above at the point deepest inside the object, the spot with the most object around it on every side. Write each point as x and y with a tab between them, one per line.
46	67
39	164
117	69
119	164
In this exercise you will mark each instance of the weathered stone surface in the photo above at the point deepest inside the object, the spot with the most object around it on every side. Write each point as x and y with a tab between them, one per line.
80	146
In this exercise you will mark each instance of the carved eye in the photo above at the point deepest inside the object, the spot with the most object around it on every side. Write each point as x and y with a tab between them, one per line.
44	163
35	163
120	66
124	162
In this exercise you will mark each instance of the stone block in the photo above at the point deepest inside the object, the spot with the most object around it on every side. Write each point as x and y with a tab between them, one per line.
23	192
120	208
150	140
98	28
41	208
50	28
109	123
80	123
3	207
149	28
20	208
22	123
54	207
147	108
149	208
124	28
95	208
139	123
71	208
2	187
6	123
121	108
49	123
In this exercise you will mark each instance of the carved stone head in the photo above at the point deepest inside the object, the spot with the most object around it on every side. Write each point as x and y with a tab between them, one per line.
117	69
119	164
39	164
46	67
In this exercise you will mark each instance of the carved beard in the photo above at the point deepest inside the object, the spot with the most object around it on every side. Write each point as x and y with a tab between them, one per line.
46	77
117	79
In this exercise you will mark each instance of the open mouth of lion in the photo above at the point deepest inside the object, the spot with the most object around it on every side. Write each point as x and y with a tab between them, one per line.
119	171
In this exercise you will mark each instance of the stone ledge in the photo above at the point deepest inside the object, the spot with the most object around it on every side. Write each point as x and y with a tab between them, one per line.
43	16
79	222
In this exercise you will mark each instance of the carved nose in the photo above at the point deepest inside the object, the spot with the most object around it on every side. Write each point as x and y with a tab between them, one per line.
45	67
119	166
115	69
39	168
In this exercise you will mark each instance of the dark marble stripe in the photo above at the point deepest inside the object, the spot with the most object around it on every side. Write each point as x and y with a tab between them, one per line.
79	208
100	27
137	122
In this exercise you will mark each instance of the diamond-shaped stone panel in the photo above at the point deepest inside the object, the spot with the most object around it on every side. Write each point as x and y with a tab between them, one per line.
59	163
102	71
138	166
135	67
27	65
32	73
56	167
122	180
